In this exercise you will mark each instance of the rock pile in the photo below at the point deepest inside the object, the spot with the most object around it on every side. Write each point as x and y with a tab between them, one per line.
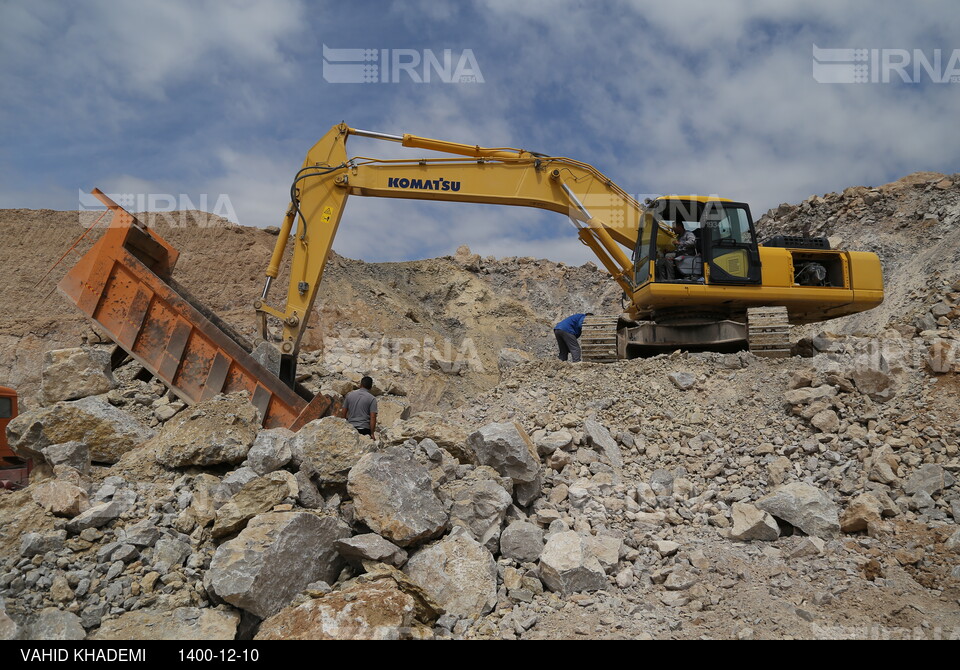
601	488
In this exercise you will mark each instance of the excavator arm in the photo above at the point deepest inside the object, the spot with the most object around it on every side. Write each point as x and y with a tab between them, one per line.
606	217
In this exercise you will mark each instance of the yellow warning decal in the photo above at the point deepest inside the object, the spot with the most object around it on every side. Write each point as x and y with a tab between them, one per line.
327	214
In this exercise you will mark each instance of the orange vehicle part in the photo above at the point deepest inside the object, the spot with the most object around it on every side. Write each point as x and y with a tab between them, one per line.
123	284
14	471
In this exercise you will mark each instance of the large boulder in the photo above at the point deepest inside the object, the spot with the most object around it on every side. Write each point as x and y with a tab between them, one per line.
458	573
95	517
330	446
183	623
478	503
9	630
750	524
430	425
55	625
255	497
390	411
929	478
371	547
393	495
522	541
270	451
72	454
61	498
863	513
508	449
804	506
32	544
568	565
71	374
274	558
370	611
600	439
107	431
218	431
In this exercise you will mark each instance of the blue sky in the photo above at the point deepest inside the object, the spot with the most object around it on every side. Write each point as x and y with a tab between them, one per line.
194	97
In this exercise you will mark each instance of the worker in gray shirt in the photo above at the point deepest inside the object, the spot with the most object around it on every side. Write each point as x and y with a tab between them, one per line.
360	408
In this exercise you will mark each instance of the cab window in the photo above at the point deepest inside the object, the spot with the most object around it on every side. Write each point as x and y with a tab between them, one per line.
6	408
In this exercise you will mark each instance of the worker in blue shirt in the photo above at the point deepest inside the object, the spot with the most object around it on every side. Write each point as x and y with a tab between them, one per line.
567	332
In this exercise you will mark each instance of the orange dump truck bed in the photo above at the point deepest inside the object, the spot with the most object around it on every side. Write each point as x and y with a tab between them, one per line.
122	284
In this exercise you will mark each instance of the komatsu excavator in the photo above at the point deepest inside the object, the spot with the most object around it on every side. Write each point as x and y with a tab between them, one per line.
692	270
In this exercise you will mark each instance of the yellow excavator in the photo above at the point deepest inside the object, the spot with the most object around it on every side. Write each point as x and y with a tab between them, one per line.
692	270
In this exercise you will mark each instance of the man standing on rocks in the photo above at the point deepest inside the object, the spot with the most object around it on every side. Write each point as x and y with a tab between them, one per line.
360	408
568	332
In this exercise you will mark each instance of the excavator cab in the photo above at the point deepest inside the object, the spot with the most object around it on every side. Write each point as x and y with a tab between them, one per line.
725	251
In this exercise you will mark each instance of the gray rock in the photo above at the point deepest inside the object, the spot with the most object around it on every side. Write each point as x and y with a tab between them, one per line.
953	542
826	421
598	436
870	381
74	454
393	495
526	492
256	497
71	374
506	448
380	610
142	534
92	615
371	547
270	451
683	380
929	478
107	431
458	573
53	624
750	523
9	630
97	516
606	549
806	395
522	541
218	431
61	498
171	552
661	481
183	623
331	446
478	503
550	443
126	553
567	565
309	497
805	507
274	558
232	483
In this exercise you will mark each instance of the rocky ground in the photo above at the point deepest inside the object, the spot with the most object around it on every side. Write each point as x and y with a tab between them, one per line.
682	496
